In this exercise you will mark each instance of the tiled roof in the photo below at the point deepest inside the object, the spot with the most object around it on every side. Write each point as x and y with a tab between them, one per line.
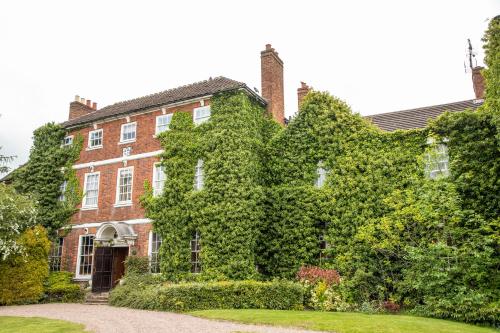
190	91
418	118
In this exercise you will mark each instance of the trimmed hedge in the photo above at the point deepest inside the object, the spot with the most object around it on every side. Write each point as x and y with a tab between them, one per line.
280	295
60	288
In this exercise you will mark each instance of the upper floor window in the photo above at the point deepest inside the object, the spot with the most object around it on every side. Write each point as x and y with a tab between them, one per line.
437	160
195	253
154	251
163	123
128	132
201	114
95	138
68	141
55	255
91	190
159	178
124	186
199	176
62	191
321	174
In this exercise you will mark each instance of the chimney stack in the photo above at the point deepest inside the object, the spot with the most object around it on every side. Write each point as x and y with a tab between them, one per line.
80	107
272	83
302	92
478	82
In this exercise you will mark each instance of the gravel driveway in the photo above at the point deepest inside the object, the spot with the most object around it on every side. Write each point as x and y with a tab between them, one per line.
107	319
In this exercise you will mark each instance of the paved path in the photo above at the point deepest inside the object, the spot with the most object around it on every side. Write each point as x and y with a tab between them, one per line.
108	319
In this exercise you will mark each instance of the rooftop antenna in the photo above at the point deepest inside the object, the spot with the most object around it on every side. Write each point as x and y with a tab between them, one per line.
471	55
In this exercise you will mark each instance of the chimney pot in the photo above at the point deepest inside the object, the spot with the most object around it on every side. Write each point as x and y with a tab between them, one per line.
89	102
94	106
268	47
82	100
77	98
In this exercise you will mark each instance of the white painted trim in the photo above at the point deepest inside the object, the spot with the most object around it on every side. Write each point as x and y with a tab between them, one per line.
117	160
98	224
150	246
121	132
119	203
90	135
77	270
84	206
67	137
162	116
203	119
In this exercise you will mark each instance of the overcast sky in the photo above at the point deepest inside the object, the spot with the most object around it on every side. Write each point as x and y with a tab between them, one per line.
379	56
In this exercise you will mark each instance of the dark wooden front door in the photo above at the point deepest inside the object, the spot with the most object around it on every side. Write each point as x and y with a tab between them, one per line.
103	269
119	255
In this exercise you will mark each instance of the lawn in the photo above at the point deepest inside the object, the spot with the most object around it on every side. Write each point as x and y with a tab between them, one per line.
38	325
344	322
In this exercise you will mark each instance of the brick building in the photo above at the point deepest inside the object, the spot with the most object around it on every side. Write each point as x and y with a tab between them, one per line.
121	152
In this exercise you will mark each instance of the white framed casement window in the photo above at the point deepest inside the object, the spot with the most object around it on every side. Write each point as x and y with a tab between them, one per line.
85	257
163	123
91	190
201	114
153	252
124	185
437	161
128	132
68	141
159	178
62	191
321	174
195	253
199	175
95	139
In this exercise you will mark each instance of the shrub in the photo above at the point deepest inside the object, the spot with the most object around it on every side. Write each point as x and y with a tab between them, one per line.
247	294
313	275
22	275
60	288
390	306
137	265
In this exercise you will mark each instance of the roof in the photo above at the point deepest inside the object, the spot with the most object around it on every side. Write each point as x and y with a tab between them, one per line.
179	94
418	118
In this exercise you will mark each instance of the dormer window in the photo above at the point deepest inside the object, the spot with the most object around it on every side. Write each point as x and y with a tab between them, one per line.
128	133
437	159
95	139
321	174
201	114
163	123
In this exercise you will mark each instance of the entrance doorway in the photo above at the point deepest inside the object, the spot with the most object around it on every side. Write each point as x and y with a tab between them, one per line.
109	267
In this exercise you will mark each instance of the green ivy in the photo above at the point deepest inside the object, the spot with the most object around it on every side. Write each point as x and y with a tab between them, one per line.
49	165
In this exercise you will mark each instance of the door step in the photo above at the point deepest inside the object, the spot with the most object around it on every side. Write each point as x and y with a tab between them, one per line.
97	298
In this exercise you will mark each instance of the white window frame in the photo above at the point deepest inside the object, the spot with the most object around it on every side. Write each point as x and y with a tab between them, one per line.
437	156
68	140
62	190
84	205
199	175
200	120
167	116
150	251
90	139
155	192
119	203
135	132
78	260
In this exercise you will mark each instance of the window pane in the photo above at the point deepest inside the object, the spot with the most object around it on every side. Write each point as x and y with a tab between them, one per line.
55	255
125	186
95	138
92	190
128	132
201	114
195	245
159	178
155	249
199	176
86	252
163	123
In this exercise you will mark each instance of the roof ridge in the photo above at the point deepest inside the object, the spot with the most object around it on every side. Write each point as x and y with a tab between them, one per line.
168	90
421	108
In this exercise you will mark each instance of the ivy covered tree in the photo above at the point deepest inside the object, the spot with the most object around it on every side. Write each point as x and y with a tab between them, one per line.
49	166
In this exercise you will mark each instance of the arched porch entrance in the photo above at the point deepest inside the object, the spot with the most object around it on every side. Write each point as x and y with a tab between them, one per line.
112	243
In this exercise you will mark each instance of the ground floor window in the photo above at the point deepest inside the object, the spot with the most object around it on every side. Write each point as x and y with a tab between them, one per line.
55	255
195	253
85	254
154	250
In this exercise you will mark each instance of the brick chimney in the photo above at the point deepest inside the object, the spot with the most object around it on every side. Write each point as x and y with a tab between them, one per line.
302	92
272	83
80	107
478	82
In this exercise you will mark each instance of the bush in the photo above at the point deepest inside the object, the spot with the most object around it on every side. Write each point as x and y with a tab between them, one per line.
60	288
137	265
22	275
313	275
248	294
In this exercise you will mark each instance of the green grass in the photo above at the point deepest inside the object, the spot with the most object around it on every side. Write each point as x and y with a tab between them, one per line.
344	322
38	325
